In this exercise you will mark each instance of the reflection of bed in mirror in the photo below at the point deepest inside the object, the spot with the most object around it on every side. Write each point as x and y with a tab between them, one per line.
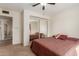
37	35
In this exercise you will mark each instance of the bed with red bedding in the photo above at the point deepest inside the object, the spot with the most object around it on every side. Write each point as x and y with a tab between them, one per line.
54	47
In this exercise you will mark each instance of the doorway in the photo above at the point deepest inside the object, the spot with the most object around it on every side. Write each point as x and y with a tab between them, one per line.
5	30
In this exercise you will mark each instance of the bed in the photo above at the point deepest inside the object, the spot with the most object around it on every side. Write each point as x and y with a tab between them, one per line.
54	47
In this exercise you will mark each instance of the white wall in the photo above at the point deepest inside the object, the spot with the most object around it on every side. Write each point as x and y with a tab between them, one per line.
17	28
26	16
66	22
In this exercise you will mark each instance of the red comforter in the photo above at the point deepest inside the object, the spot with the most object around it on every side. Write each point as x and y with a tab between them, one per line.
54	47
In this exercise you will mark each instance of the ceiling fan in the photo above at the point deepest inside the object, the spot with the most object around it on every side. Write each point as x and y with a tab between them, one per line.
43	5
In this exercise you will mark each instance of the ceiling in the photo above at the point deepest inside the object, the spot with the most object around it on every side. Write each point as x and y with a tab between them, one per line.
50	9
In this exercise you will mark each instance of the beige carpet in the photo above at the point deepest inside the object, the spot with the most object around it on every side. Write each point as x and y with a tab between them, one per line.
16	50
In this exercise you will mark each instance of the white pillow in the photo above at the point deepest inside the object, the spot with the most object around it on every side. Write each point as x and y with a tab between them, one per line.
56	36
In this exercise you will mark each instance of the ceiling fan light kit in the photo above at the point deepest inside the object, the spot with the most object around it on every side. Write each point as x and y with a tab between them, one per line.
43	5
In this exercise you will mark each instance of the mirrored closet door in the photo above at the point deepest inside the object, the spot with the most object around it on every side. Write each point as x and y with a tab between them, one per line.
38	28
34	28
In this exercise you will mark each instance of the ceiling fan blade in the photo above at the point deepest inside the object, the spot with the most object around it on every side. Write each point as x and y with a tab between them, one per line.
52	3
43	7
35	4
